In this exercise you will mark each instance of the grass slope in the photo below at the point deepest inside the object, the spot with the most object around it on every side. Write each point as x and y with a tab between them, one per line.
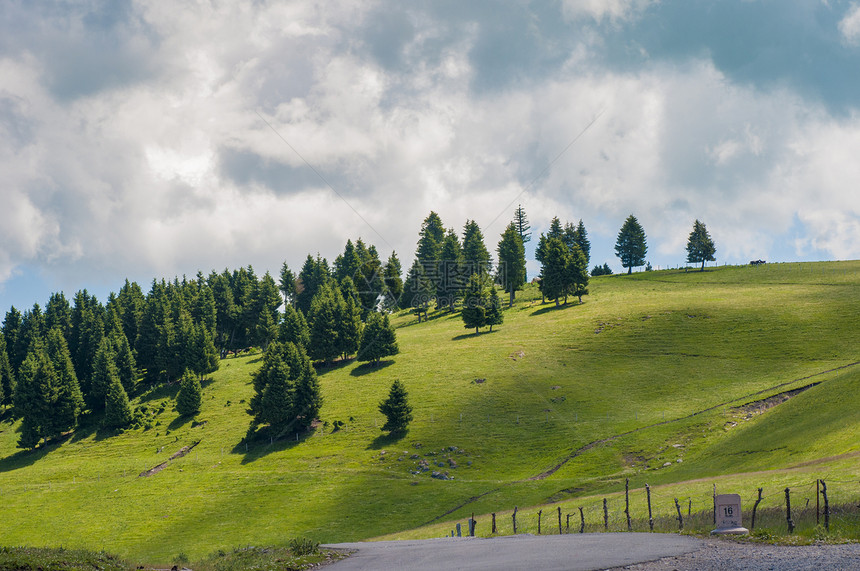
598	392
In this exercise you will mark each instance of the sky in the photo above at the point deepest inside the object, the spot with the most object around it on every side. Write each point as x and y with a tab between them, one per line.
149	139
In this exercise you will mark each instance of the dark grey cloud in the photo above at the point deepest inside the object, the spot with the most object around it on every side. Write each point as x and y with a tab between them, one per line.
83	48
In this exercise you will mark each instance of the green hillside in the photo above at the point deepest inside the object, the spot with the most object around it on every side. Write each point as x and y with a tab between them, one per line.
553	404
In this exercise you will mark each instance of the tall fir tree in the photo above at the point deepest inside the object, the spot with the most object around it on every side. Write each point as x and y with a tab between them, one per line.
11	327
450	282
476	257
7	376
104	370
68	400
512	262
418	290
393	276
493	312
631	246
58	314
286	392
700	246
287	284
348	317
118	412
189	399
555	269
323	324
34	394
378	340
313	276
521	223
474	313
293	328
398	413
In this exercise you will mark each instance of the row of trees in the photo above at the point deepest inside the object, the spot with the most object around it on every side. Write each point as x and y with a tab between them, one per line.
631	246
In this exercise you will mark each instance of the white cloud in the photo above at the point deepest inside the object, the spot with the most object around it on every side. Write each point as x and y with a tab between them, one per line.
612	10
849	25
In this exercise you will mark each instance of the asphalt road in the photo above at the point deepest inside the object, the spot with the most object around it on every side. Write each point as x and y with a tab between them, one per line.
574	552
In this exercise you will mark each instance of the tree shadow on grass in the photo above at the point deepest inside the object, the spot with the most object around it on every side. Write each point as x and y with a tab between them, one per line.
261	443
323	368
179	422
370	367
384	440
28	457
158	392
551	307
473	335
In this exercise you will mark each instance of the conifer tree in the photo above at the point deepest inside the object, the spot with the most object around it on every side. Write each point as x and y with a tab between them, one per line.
204	356
398	413
450	282
124	359
11	327
348	318
287	284
58	314
117	408
555	269
286	392
313	276
190	395
512	262
494	315
474	313
476	257
630	246
430	242
67	398
700	246
294	328
323	325
37	380
378	339
393	276
418	290
103	372
521	223
7	377
348	264
307	399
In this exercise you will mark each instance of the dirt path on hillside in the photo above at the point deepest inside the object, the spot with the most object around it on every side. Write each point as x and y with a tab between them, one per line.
156	469
780	397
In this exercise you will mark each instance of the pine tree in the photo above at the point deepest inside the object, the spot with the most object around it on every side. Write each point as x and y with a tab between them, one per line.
474	313
700	246
276	403
430	242
313	276
348	318
287	284
393	276
450	281
34	394
378	339
117	408
103	372
476	257
418	290
512	262
631	246
307	398
294	328
348	264
286	391
494	315
124	359
521	223
58	314
7	377
577	274
323	325
398	413
555	270
68	400
11	327
190	395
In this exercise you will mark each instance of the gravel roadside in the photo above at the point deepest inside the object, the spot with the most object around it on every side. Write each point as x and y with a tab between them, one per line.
727	555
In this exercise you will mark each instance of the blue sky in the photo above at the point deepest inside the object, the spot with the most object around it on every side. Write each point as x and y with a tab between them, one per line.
145	139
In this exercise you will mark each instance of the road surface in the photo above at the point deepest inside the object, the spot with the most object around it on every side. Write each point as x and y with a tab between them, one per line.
574	552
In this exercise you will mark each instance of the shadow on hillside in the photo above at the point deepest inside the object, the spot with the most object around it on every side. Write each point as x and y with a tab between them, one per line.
24	458
367	368
262	444
472	334
553	307
157	392
179	422
323	368
384	440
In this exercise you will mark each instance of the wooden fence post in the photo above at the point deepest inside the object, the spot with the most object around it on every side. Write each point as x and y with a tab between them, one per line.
817	492
826	506
788	510
559	520
514	517
627	503
605	516
581	521
755	507
540	512
715	504
650	518
680	517
472	524
494	523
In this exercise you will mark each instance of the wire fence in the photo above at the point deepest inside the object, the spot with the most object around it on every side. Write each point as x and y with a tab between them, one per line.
819	509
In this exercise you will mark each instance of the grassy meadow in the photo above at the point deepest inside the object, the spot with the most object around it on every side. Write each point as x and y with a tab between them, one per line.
554	405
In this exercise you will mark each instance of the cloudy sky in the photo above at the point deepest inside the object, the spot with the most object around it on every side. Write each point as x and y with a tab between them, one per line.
153	138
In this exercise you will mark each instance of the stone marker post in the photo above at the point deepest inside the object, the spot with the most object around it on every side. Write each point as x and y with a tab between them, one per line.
728	515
